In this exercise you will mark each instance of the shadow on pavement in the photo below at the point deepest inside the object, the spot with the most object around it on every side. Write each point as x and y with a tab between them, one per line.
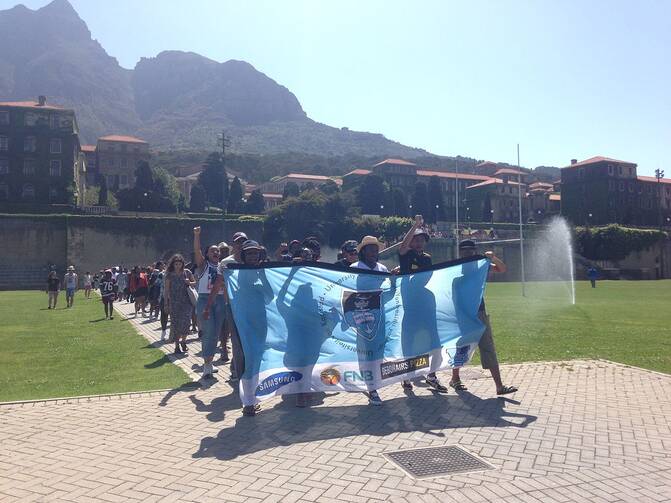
284	424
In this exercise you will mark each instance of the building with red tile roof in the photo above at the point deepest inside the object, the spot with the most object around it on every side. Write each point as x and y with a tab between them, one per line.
602	190
40	158
117	158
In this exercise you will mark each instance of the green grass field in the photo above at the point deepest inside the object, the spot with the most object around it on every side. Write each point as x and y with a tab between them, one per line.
71	352
623	321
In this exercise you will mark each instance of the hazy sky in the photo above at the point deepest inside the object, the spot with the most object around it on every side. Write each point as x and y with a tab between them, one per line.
562	78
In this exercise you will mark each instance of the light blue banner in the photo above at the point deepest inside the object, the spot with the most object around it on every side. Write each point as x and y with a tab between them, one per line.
316	328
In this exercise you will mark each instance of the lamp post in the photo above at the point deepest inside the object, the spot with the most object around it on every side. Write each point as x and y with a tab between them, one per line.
659	174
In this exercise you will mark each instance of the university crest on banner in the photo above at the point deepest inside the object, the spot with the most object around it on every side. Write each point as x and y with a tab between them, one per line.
361	311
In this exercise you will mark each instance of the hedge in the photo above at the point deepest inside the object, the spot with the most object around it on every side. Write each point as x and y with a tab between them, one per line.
614	242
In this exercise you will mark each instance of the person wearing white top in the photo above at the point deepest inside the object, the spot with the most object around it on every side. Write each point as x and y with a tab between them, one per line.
369	252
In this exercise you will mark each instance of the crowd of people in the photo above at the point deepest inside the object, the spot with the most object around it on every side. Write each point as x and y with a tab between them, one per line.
192	296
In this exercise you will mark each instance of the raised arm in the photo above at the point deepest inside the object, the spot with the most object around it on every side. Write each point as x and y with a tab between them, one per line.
497	263
405	244
197	250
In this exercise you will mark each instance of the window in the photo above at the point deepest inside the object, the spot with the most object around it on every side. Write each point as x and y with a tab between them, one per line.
123	180
630	171
631	187
55	146
4	166
4	143
29	144
621	186
28	191
4	118
610	169
29	167
53	194
619	170
55	167
124	164
110	181
53	121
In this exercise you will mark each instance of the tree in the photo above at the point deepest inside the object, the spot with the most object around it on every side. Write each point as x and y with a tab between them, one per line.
307	187
329	187
235	196
372	194
214	180
198	199
102	195
255	204
290	190
144	177
400	203
181	203
420	199
487	215
436	201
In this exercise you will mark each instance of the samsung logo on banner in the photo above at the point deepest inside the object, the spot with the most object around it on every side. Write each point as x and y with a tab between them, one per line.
274	382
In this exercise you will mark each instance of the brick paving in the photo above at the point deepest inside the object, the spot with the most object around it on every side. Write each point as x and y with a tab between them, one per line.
576	431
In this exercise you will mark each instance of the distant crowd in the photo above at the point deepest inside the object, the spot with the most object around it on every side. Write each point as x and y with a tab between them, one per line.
189	297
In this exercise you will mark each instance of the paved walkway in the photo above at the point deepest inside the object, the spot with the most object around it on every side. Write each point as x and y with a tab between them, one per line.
576	431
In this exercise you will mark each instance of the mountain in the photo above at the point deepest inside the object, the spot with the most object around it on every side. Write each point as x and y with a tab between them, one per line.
176	100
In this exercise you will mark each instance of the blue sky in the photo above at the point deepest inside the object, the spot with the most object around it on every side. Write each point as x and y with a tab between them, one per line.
564	79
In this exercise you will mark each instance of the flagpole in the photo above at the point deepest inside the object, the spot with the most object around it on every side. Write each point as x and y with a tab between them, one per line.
519	201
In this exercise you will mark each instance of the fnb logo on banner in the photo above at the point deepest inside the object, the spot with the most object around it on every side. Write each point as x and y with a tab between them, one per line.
354	376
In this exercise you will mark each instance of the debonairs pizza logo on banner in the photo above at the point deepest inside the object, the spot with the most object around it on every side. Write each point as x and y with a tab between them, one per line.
361	311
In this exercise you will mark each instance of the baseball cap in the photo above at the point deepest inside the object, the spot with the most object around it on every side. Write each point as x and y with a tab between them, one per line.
349	245
240	235
467	244
421	232
251	245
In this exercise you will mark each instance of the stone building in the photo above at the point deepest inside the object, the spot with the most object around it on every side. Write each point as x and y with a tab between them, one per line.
40	158
601	190
117	158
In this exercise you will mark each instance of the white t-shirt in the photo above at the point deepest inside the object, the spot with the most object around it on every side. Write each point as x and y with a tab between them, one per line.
378	267
71	280
87	280
207	279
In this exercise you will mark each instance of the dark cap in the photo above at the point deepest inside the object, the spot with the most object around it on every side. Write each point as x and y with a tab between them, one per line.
349	245
467	244
240	235
421	232
312	243
251	245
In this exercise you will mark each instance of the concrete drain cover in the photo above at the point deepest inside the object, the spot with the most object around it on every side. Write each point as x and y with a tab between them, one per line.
431	462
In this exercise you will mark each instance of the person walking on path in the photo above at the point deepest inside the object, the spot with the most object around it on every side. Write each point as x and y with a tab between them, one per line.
122	284
412	258
488	356
108	292
212	322
177	302
88	284
71	284
53	287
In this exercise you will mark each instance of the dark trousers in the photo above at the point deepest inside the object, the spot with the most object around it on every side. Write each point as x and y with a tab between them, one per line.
593	281
164	315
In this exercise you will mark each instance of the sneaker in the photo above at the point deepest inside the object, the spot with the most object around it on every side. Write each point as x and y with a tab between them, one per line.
250	410
374	398
407	385
302	400
435	384
111	317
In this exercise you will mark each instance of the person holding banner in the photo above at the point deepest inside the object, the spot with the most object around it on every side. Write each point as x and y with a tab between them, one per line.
488	358
413	258
369	252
